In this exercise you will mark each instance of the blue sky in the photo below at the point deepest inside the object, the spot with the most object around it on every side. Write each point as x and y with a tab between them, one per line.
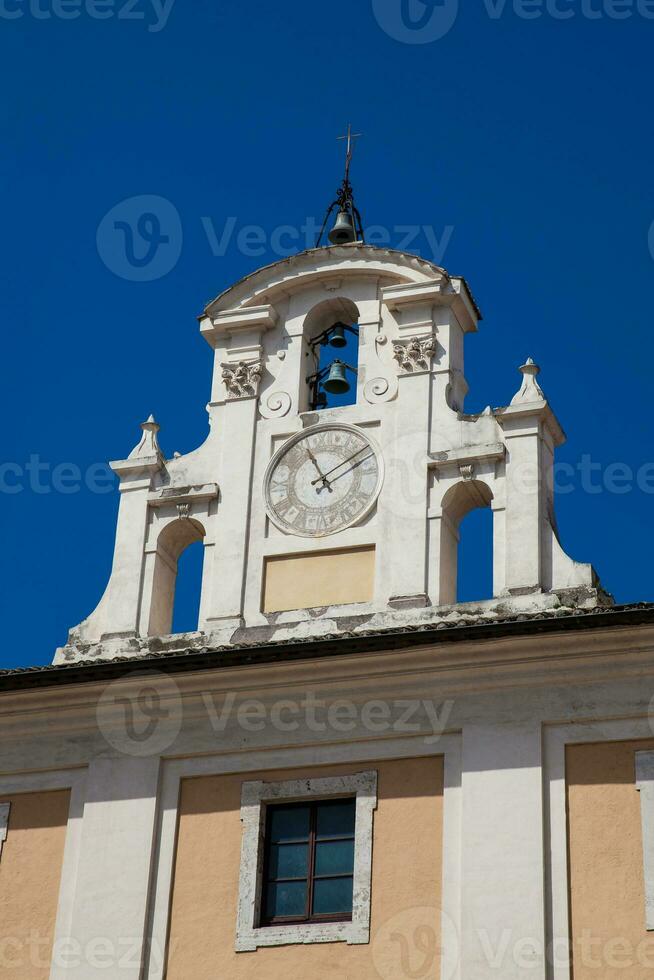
523	145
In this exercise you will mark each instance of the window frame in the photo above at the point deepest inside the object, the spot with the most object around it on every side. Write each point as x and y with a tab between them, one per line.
4	823
311	877
256	800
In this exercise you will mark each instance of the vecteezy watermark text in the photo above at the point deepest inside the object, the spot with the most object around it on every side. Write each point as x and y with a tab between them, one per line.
426	21
140	239
39	476
37	951
153	13
589	476
343	716
283	241
143	716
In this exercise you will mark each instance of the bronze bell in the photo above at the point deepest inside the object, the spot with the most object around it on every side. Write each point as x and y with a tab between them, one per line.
337	336
337	383
343	231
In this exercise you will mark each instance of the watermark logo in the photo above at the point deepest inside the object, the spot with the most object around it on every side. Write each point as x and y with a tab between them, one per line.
416	21
140	239
140	716
412	944
426	21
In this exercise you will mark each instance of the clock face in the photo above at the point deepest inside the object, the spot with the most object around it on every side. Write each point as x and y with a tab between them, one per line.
323	480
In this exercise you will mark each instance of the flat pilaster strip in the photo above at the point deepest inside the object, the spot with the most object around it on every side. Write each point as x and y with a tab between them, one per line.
645	785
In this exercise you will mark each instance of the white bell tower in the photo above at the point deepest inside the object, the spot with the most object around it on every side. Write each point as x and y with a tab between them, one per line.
397	564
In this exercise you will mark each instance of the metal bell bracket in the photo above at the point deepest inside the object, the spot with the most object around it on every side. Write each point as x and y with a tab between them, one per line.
327	336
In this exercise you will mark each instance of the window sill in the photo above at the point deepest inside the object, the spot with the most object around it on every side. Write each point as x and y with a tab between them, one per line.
311	932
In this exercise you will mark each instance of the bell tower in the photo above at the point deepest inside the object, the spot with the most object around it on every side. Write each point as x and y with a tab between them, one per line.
319	520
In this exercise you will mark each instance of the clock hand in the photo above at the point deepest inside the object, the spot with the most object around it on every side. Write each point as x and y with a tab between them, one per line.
342	463
359	462
314	461
325	482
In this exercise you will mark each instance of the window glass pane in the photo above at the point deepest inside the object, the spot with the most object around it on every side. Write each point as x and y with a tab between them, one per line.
287	898
289	861
289	823
335	857
335	819
332	895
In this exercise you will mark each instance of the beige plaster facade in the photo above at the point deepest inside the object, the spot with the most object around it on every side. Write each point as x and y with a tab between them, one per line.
607	891
30	874
407	872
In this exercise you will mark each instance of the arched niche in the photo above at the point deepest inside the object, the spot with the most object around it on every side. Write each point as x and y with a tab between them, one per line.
318	319
458	502
172	541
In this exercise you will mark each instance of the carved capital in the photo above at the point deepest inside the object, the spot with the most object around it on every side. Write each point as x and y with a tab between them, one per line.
242	378
184	511
415	354
467	471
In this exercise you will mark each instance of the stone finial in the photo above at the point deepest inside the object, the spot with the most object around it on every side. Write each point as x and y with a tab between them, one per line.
149	444
530	391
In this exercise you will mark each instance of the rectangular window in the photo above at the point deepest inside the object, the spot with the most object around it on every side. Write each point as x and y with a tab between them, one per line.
309	862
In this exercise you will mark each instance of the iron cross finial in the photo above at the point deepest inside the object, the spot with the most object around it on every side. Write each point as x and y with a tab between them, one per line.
350	148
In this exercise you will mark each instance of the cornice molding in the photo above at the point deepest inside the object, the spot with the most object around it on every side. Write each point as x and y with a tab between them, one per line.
452	666
326	264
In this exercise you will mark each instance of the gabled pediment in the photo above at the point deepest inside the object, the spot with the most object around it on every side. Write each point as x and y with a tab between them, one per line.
297	272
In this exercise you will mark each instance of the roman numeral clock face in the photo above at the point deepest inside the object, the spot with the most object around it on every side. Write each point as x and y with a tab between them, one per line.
323	480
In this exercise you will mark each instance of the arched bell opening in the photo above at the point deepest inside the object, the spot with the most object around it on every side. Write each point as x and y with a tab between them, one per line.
177	539
331	355
466	552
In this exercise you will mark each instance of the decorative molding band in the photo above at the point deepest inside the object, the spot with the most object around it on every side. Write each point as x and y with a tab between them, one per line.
254	797
415	354
249	318
184	495
443	291
645	785
4	823
227	323
468	455
406	294
243	378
